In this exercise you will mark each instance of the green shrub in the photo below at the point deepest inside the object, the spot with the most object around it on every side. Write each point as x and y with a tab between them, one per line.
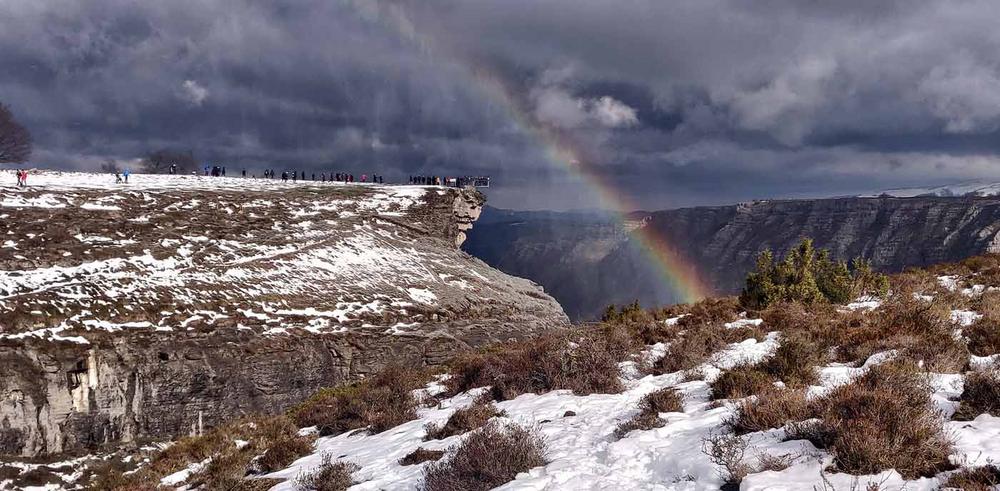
808	276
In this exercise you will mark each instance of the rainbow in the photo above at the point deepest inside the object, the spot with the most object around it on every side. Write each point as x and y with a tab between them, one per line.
560	149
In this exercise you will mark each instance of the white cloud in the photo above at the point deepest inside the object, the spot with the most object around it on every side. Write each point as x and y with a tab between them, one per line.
193	92
556	106
965	94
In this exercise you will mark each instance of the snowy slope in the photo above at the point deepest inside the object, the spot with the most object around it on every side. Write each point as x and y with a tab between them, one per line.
79	253
583	453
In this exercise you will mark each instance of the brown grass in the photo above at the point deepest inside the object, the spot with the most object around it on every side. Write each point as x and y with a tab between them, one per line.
664	400
587	365
329	476
983	478
691	348
922	331
981	395
984	335
421	455
378	403
772	408
883	420
741	381
487	458
463	420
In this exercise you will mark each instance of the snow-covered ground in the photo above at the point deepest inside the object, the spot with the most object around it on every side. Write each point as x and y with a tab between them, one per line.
584	453
81	253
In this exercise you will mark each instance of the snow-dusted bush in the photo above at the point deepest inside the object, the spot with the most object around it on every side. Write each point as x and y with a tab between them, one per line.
772	408
421	455
650	406
487	458
463	420
981	394
883	420
329	476
741	381
982	478
378	403
585	363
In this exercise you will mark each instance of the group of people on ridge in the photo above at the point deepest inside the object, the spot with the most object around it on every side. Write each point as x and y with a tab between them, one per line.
22	178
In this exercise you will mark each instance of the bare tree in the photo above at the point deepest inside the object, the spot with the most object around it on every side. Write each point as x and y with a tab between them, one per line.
159	162
15	140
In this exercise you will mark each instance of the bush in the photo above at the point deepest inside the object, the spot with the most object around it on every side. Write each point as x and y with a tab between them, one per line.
587	365
650	406
463	420
983	478
772	408
808	276
980	395
727	451
984	336
795	360
421	455
329	476
741	381
378	403
884	420
487	458
273	443
691	348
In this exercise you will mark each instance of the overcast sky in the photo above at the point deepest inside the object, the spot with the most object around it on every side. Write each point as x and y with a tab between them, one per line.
675	102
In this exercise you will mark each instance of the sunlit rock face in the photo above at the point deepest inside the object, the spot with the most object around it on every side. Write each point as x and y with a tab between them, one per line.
151	308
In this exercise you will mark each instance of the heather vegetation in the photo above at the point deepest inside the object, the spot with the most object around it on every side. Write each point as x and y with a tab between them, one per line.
882	417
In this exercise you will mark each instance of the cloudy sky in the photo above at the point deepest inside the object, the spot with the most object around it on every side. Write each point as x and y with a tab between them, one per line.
668	102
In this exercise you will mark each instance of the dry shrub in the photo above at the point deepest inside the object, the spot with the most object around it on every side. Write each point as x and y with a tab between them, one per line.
691	348
983	478
980	395
643	420
741	381
884	420
664	400
773	463
487	458
463	420
922	331
772	408
712	310
984	334
378	403
273	443
421	455
329	476
795	360
727	452
587	365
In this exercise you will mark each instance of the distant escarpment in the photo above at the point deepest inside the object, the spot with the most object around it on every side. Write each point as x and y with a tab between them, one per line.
173	303
587	261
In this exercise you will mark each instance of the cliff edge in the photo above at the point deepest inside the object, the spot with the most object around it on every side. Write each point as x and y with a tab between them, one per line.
175	302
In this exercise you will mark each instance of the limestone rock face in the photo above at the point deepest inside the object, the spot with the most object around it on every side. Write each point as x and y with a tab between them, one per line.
175	302
587	261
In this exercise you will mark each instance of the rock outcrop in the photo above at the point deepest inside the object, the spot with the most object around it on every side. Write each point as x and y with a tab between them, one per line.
174	303
588	261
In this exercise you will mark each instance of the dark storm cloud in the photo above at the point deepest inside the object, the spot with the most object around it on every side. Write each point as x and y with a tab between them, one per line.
676	102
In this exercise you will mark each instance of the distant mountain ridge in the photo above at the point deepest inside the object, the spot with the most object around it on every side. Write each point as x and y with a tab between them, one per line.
965	188
587	263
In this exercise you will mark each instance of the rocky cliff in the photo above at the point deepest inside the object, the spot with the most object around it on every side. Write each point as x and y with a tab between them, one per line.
605	265
172	303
